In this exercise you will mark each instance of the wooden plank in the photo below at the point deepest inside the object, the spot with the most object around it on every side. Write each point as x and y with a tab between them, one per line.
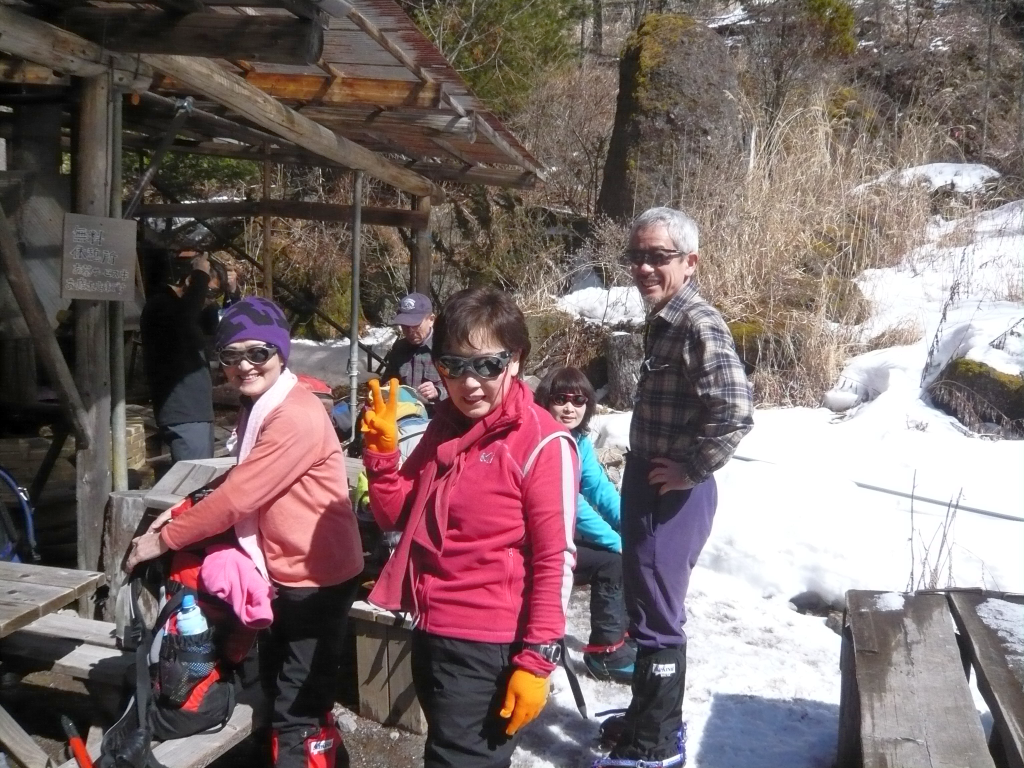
916	709
185	477
211	35
124	521
69	626
285	209
250	102
199	751
20	72
42	43
346	90
999	667
66	656
14	616
405	710
43	596
372	669
21	746
79	582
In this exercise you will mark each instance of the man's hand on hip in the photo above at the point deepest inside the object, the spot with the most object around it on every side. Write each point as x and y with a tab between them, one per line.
670	476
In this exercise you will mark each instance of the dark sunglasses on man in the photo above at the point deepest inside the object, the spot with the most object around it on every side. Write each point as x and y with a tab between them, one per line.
562	398
656	257
484	366
254	355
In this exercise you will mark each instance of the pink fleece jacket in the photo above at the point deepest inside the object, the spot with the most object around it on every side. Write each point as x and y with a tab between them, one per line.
230	574
487	509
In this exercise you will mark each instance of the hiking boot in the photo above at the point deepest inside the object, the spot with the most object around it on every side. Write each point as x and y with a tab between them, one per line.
610	662
654	718
612	729
669	756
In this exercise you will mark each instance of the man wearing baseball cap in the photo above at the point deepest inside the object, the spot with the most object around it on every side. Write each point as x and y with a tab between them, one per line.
409	359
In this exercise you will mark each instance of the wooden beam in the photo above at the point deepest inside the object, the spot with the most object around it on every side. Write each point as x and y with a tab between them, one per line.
43	338
490	177
91	164
180	6
346	90
285	209
36	41
209	122
504	147
423	254
396	121
250	102
274	39
453	152
21	72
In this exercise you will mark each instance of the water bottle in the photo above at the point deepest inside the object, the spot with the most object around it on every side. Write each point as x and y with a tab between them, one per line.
190	619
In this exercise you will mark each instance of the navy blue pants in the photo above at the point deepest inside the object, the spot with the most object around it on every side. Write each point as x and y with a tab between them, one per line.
662	536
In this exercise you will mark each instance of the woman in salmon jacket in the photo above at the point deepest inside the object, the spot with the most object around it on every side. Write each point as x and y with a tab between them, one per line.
287	501
486	505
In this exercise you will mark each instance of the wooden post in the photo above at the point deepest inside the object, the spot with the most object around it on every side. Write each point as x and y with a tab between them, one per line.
266	256
118	415
91	165
422	258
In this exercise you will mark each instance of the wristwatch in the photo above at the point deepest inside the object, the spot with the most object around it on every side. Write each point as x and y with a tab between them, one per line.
550	651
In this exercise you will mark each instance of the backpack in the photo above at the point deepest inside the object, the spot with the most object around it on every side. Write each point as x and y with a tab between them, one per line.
181	684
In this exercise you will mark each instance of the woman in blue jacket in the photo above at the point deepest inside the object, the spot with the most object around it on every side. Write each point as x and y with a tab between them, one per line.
568	396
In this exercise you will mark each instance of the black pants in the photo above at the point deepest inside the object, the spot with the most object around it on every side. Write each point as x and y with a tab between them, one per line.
602	570
193	440
299	661
461	687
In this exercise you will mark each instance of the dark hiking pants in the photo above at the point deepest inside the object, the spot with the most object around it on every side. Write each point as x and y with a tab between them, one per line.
461	687
299	662
602	570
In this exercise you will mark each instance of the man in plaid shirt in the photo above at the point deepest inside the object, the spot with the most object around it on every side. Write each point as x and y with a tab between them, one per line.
692	408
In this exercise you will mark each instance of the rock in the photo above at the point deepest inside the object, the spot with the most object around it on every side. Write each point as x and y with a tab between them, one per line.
676	111
624	353
977	394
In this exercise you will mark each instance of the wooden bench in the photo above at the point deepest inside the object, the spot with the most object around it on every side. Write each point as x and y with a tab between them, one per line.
384	667
87	650
905	700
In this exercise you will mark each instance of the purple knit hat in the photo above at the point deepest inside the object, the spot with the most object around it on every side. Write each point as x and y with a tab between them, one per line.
255	319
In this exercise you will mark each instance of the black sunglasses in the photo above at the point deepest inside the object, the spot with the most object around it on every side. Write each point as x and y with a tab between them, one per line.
561	399
484	366
656	257
255	355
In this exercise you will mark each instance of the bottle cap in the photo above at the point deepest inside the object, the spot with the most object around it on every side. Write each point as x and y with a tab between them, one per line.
189	601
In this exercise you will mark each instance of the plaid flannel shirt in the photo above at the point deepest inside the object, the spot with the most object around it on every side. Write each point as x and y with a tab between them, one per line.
693	402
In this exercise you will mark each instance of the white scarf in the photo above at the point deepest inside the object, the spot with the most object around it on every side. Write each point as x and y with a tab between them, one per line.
243	439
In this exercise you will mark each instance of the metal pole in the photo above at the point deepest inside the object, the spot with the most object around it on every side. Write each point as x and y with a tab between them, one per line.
180	116
353	347
118	416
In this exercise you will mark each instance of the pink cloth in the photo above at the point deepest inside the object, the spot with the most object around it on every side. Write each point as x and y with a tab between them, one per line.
228	573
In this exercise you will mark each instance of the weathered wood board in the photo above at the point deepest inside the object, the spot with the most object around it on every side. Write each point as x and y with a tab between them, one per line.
999	667
915	707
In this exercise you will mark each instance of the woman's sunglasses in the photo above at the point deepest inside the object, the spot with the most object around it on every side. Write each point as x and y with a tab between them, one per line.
561	399
484	366
254	355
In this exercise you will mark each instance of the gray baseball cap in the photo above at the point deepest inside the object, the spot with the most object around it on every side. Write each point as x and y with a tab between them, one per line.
412	309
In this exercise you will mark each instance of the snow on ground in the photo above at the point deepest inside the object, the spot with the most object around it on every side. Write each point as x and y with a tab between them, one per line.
793	517
616	305
961	177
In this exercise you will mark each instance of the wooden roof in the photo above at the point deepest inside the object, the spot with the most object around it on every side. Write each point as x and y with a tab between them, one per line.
379	82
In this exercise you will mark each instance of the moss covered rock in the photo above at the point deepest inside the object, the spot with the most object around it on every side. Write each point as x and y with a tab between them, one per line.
676	110
976	393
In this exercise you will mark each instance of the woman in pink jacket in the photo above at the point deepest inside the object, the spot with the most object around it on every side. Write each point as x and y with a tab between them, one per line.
287	501
486	505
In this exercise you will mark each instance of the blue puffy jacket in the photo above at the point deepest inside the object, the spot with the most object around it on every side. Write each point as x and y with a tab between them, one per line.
597	508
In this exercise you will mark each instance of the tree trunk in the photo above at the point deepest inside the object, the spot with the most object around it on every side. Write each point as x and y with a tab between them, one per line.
597	33
624	352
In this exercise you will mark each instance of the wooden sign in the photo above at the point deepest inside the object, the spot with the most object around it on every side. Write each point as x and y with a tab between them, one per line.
98	258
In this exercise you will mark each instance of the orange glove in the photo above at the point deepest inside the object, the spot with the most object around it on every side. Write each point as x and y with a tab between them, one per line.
524	699
380	425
